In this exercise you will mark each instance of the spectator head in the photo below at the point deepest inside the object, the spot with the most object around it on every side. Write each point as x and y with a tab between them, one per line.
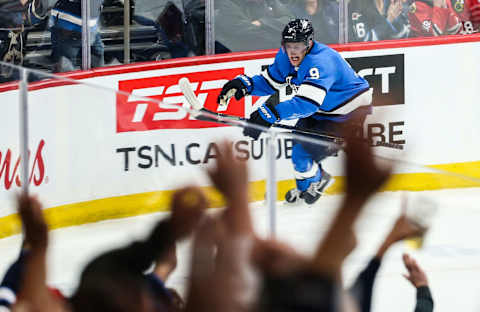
311	6
103	291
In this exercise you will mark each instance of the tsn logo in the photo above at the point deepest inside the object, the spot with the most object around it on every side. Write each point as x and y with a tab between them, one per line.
134	114
385	74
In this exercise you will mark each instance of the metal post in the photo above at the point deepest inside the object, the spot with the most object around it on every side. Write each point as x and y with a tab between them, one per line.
23	101
126	31
271	184
210	27
343	21
86	57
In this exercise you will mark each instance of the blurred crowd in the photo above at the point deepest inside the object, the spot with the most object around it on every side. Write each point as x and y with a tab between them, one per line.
231	267
46	34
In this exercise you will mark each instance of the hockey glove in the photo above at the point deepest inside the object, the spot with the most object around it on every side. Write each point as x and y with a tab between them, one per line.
264	116
238	87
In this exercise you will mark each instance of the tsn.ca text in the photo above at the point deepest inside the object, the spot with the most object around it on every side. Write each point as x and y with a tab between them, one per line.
194	153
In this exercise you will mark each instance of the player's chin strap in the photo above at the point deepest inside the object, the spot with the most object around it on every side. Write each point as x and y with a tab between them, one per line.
207	115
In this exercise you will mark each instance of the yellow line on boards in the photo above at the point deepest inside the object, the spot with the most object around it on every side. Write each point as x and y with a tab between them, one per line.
150	202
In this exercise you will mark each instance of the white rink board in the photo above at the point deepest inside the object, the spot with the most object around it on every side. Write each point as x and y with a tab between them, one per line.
79	127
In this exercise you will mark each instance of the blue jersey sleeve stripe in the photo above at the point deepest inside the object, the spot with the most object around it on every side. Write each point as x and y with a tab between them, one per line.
275	85
273	78
296	107
274	88
261	86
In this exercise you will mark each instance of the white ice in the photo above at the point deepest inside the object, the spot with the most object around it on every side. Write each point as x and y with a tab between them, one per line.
450	256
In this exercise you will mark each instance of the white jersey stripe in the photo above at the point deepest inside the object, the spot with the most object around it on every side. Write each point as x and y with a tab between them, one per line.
312	93
72	18
307	174
363	99
7	294
272	82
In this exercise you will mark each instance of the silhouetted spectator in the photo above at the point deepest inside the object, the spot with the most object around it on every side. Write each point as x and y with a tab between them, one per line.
170	29
245	25
15	17
419	280
372	20
114	273
66	35
33	293
195	28
468	12
323	14
363	286
433	18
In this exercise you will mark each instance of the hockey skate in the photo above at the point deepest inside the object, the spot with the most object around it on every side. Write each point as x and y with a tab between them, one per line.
293	196
313	193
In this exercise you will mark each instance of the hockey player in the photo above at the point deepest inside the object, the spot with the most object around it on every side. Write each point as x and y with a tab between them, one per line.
328	94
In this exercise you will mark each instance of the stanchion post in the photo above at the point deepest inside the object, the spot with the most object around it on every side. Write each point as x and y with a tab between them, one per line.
271	184
23	101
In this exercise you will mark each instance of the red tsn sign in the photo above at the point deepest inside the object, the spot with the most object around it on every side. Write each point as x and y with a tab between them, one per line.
134	114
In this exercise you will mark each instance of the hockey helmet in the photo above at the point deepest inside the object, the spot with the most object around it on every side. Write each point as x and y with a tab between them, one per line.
298	30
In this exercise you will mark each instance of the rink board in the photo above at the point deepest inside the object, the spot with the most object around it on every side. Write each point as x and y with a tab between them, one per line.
100	155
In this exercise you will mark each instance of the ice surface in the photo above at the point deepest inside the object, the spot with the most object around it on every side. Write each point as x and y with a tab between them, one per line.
450	256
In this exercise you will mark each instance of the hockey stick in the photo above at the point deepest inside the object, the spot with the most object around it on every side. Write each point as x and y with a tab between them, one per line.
207	115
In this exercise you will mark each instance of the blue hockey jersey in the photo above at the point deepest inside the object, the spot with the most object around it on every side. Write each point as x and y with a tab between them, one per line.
324	83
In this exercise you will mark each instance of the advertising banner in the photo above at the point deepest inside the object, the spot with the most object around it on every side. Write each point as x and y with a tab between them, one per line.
119	135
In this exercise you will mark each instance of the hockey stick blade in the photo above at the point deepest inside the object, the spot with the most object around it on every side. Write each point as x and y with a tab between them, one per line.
187	91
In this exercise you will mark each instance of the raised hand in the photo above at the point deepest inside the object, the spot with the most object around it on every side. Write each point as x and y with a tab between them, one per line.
394	10
188	206
415	275
230	177
34	225
364	176
33	294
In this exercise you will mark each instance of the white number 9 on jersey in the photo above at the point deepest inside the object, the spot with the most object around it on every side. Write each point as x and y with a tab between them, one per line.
314	73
